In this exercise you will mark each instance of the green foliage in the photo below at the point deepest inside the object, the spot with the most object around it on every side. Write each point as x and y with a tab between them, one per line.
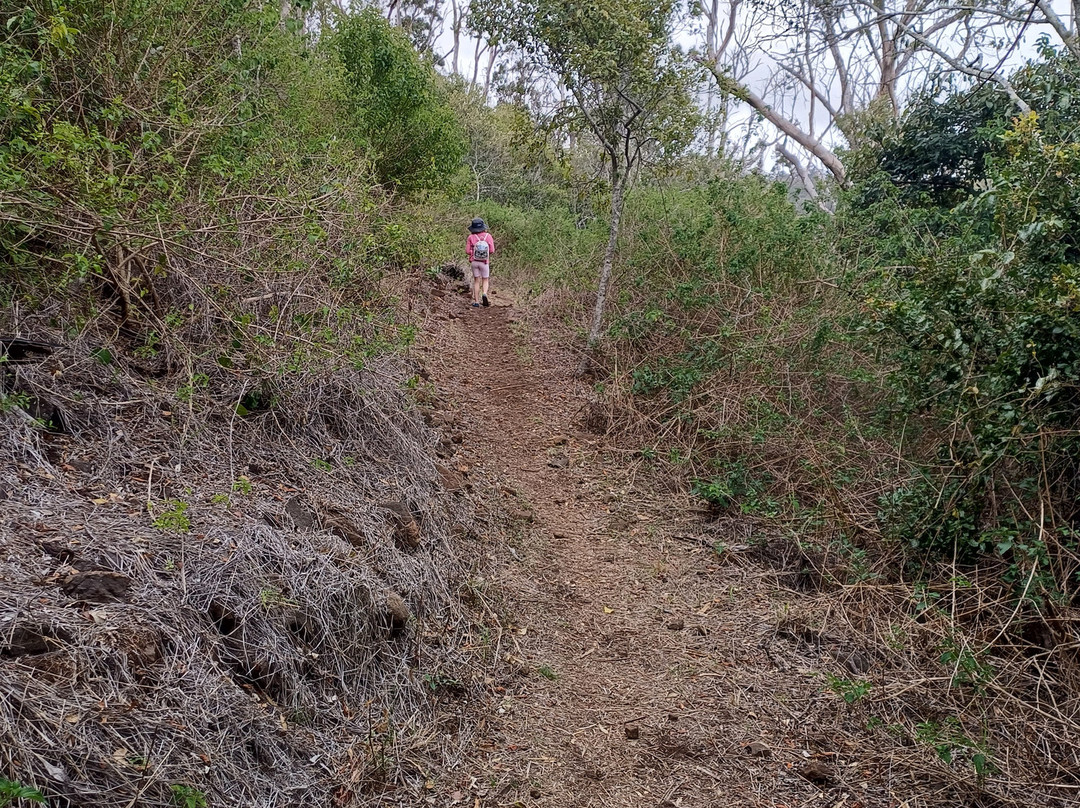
509	159
737	486
402	111
852	691
967	666
271	597
12	791
437	682
11	401
185	796
939	152
950	743
627	86
978	315
171	516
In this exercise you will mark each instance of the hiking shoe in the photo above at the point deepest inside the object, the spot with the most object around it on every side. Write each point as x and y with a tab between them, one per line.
484	298
476	305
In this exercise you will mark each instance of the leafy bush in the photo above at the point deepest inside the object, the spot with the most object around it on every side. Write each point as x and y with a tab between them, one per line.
975	306
402	112
11	791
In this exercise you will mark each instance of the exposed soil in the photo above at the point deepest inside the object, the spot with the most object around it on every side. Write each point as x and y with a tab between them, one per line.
650	670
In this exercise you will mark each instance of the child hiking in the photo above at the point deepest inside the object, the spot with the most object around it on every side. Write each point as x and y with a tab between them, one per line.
480	247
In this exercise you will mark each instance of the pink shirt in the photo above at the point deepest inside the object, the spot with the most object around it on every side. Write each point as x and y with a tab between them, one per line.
475	237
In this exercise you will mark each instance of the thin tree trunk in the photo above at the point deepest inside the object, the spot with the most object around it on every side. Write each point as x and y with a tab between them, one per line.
492	53
800	170
618	189
456	28
476	62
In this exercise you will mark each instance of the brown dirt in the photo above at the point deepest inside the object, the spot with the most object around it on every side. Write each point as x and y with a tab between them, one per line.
645	668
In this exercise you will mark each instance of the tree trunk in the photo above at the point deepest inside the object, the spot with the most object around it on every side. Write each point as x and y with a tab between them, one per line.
824	155
456	28
618	190
476	61
800	170
492	53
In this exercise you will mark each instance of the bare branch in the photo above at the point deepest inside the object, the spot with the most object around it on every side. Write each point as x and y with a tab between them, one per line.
826	156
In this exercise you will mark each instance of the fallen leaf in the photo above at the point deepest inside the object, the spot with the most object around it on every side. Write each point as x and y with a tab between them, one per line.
608	610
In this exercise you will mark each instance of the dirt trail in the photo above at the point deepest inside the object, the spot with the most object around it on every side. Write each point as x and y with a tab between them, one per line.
651	674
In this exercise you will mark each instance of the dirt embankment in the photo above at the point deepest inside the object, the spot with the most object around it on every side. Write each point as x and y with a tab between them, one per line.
249	600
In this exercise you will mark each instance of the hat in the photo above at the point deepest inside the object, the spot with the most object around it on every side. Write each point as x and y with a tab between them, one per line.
477	226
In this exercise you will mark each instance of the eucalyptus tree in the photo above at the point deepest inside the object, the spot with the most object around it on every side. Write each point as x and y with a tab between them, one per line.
625	85
814	68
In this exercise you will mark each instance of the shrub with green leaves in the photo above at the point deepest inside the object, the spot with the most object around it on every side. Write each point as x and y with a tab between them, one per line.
981	323
12	791
401	110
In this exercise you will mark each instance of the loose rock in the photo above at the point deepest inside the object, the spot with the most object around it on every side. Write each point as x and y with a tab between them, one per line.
758	749
97	586
397	613
451	480
303	518
339	523
406	528
816	772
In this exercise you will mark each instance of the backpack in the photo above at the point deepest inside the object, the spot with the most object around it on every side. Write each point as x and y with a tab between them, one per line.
480	250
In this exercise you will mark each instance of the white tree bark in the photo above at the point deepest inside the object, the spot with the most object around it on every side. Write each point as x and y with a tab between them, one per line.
824	155
800	170
808	67
618	190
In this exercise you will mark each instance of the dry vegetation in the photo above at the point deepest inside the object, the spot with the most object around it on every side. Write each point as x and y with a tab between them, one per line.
740	375
261	608
232	561
937	673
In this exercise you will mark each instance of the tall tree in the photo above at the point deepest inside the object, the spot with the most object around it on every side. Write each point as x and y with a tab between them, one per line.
625	85
816	65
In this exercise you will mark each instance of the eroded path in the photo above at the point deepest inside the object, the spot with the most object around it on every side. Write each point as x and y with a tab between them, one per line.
651	672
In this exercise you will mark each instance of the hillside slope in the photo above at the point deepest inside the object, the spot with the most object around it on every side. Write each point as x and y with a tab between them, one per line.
225	604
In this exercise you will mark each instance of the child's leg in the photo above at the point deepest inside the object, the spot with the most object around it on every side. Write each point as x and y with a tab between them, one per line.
476	282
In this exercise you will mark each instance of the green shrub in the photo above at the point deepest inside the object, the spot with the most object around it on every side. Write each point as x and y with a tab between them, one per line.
980	324
12	791
402	113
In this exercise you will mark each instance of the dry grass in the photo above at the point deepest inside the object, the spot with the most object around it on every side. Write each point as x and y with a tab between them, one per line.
257	654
